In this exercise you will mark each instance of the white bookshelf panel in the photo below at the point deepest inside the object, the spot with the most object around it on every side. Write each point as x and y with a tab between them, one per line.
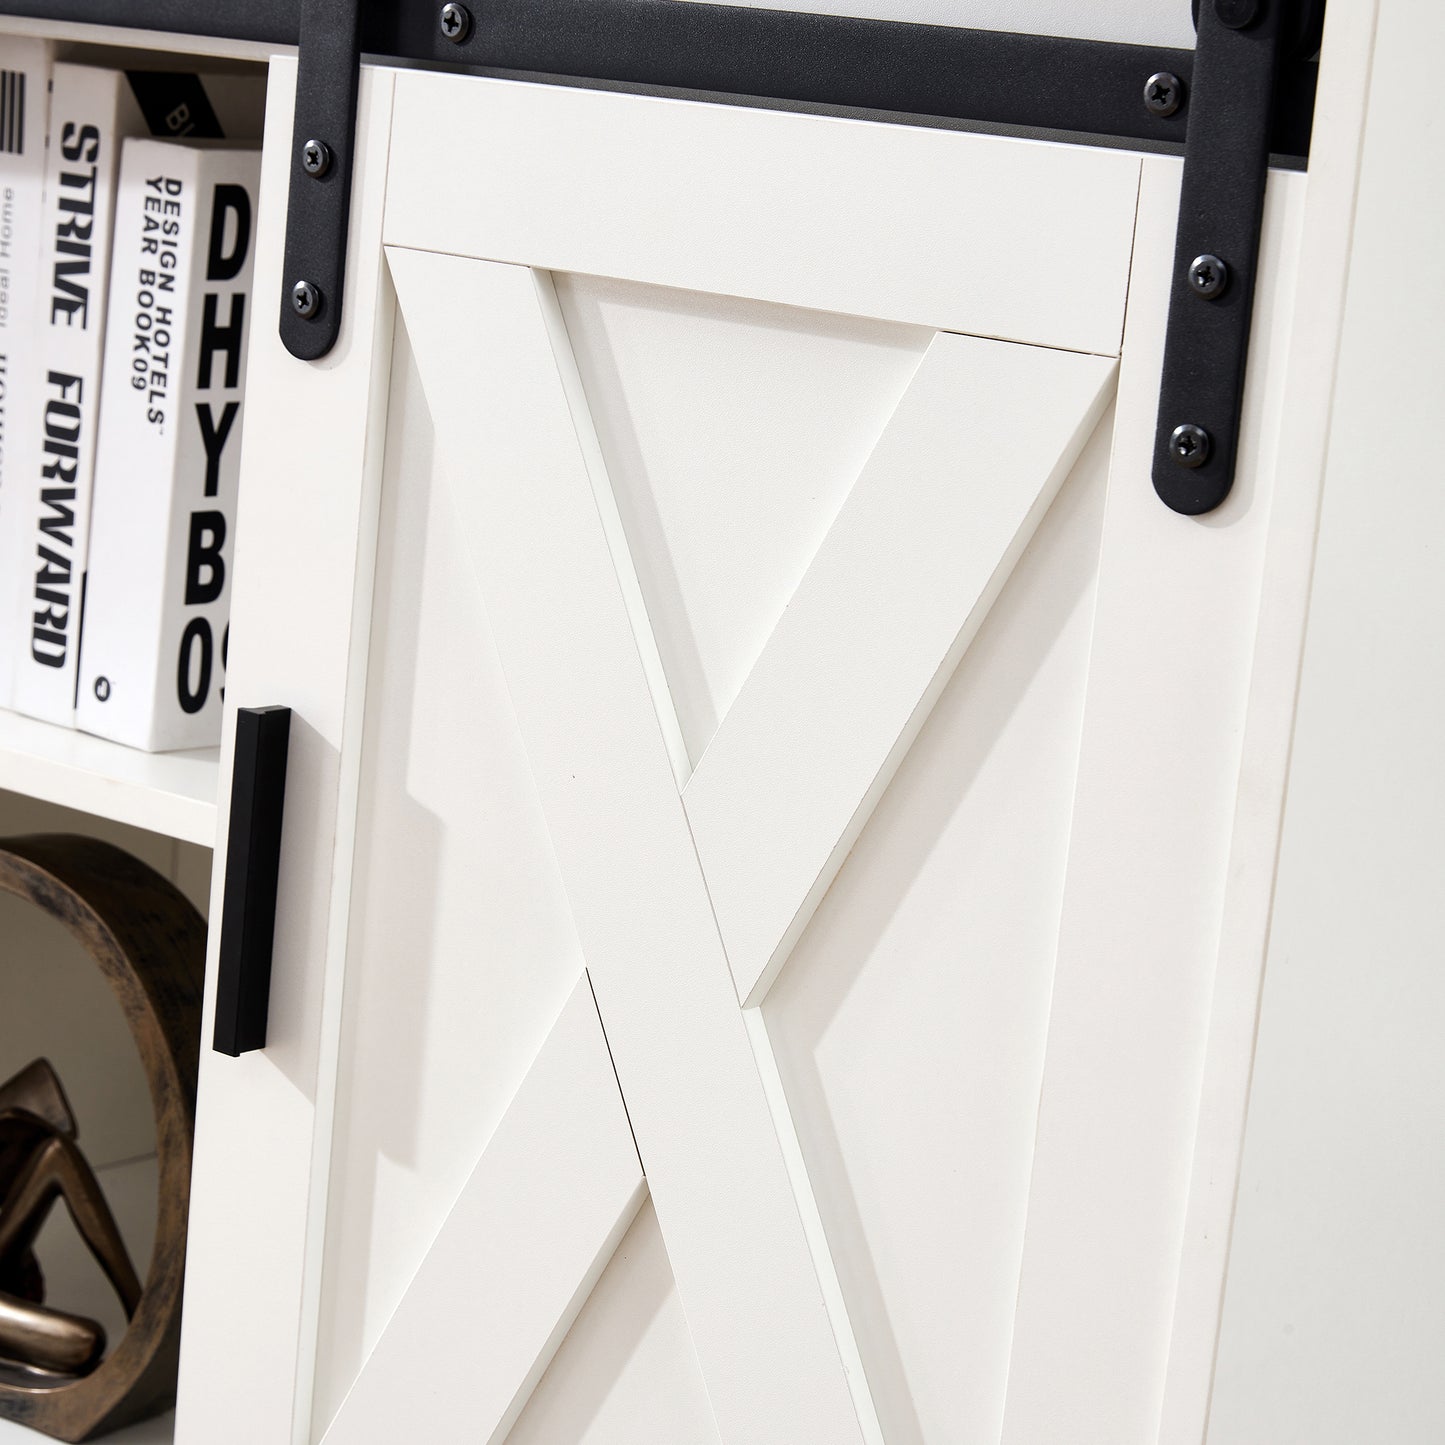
169	793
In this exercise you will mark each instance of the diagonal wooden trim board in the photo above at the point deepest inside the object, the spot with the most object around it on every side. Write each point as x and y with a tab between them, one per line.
967	466
606	501
718	1179
556	1189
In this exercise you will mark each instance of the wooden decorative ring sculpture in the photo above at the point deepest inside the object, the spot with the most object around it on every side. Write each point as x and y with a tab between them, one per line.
150	943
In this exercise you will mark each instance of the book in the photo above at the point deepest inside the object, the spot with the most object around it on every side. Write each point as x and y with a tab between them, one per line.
24	109
91	111
154	646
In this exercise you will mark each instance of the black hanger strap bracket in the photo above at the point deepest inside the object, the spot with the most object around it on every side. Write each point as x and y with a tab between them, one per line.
1216	255
323	139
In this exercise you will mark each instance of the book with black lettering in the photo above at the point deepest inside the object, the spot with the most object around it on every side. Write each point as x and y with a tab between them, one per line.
154	648
24	108
92	110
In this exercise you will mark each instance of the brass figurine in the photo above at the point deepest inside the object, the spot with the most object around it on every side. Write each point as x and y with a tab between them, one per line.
40	1163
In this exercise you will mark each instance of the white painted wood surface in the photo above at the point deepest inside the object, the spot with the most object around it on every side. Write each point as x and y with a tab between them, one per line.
170	793
774	1170
550	566
626	1371
300	612
1334	1316
1174	629
1165	904
1309	392
909	1023
535	1225
732	431
604	777
798	209
959	479
460	947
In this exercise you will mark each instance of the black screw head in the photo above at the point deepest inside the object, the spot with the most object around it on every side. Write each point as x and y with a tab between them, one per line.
1163	93
1236	14
1189	445
305	300
315	158
1208	276
456	22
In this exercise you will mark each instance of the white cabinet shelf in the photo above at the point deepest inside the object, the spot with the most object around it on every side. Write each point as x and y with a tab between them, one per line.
169	793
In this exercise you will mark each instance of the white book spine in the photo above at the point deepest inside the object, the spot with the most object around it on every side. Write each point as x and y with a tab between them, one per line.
90	111
153	655
24	111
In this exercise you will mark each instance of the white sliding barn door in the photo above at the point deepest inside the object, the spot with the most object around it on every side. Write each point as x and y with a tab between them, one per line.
795	793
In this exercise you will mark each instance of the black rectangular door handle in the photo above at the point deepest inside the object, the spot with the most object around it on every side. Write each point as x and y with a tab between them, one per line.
253	861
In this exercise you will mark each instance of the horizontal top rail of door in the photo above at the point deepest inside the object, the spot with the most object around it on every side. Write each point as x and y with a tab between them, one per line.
1089	88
